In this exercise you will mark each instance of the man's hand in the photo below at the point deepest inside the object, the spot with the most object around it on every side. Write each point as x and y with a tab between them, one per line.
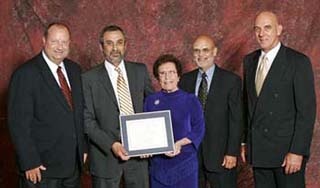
119	151
34	175
229	161
85	156
243	153
292	163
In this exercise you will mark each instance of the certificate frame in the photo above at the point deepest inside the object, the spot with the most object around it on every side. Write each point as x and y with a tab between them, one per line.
147	133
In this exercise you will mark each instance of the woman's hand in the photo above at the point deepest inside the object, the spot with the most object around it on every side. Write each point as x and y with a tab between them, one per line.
177	147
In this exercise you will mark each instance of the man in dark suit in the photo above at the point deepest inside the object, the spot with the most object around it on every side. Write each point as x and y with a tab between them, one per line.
45	115
280	108
219	91
104	96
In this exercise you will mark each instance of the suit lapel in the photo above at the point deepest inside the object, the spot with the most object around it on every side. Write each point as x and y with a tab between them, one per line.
51	82
274	76
106	82
132	80
74	83
276	71
251	75
191	88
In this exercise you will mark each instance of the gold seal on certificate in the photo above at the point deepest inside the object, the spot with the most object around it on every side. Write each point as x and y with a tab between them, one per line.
147	133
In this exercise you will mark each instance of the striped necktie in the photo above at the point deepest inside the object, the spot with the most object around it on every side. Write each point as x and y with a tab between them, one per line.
125	102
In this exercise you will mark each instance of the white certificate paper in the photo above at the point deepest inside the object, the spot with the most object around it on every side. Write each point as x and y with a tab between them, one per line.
147	133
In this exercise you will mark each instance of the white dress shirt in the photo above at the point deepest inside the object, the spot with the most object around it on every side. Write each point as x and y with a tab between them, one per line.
271	55
113	75
54	67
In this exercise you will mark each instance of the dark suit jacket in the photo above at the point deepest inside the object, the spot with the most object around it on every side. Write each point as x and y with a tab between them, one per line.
43	128
281	119
223	116
101	115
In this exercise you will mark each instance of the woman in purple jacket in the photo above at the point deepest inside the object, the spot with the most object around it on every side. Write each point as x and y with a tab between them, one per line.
179	168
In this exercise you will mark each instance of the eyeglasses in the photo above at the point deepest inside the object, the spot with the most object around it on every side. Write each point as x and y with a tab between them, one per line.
168	73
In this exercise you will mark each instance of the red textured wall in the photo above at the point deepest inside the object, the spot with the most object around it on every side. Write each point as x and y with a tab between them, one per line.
153	27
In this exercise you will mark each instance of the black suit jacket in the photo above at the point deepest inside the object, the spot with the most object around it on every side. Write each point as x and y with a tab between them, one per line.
223	115
101	115
43	128
281	119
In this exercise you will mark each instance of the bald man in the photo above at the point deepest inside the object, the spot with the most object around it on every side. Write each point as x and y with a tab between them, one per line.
280	108
219	92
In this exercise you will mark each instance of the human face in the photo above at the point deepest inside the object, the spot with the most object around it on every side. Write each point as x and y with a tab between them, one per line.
168	77
57	43
204	52
267	30
113	47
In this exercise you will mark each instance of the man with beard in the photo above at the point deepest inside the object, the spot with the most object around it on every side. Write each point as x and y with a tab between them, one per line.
114	87
219	92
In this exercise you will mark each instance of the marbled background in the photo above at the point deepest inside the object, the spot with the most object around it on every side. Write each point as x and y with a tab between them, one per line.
153	27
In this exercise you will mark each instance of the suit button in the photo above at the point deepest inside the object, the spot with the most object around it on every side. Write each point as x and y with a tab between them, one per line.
265	130
252	128
271	113
74	136
276	95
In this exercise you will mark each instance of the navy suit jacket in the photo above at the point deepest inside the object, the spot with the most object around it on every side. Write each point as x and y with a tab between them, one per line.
281	119
223	116
43	128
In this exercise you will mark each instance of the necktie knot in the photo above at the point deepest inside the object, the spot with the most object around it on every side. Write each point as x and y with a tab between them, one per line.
204	75
118	70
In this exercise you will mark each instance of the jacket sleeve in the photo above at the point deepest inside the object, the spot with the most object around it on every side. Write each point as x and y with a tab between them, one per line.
20	118
235	118
92	128
305	104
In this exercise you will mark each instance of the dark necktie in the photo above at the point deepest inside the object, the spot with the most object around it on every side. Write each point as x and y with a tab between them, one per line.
64	87
202	93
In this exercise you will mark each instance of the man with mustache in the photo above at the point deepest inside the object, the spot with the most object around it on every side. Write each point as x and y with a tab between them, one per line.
219	92
280	108
114	87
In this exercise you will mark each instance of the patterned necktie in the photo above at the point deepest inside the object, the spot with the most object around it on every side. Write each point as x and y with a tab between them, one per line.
124	98
261	74
202	93
64	87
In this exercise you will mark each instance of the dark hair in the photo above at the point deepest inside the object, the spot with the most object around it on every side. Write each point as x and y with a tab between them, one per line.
58	24
165	59
110	28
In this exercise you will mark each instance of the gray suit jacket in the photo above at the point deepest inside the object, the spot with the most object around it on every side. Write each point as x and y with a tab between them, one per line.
101	114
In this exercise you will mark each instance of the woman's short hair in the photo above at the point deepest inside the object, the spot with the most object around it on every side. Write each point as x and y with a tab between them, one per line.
166	58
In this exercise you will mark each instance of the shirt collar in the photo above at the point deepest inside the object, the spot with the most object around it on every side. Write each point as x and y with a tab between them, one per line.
209	72
53	67
271	55
110	66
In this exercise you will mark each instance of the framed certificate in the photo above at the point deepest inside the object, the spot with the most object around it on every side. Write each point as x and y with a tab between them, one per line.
147	133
